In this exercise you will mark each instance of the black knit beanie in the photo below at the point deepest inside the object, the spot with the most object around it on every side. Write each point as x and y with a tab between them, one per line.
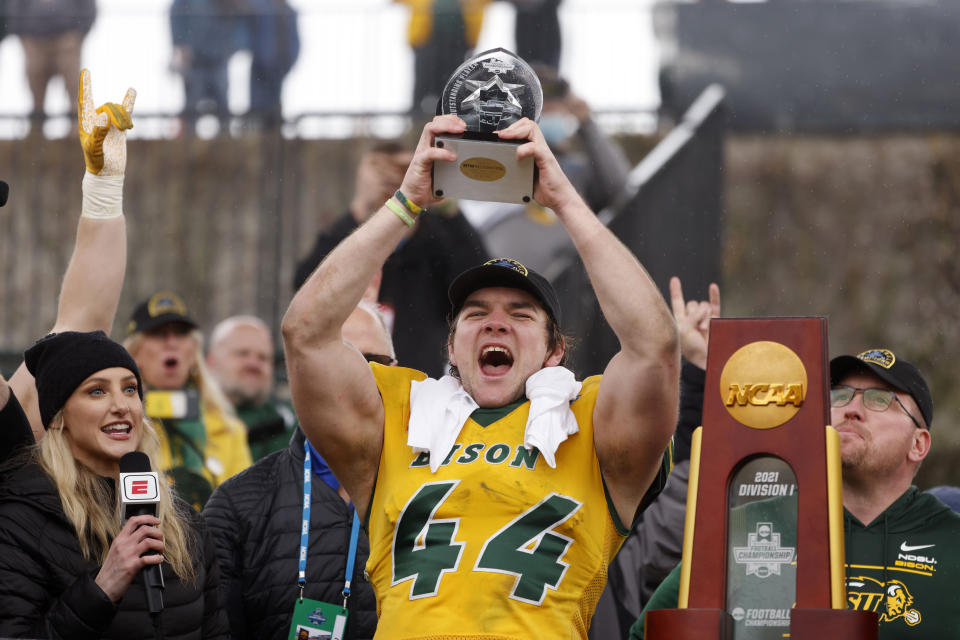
60	362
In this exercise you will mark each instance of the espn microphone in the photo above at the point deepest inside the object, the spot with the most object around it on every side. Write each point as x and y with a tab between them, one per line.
139	495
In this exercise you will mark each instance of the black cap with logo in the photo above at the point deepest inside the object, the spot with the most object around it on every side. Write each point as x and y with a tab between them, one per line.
898	373
162	307
503	272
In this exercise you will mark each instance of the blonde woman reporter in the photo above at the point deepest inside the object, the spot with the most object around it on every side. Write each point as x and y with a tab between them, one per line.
70	566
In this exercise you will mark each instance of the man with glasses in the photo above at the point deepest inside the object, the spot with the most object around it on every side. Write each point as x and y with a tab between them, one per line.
882	409
900	558
900	543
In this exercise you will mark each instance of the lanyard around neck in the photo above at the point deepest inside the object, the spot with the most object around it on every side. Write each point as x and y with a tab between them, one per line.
305	531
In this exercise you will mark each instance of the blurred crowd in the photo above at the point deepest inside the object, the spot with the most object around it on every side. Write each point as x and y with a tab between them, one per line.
206	34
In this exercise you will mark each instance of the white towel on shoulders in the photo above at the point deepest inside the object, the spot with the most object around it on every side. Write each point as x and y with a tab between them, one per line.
551	420
440	408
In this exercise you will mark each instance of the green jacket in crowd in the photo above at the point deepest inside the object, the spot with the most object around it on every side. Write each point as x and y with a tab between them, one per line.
269	427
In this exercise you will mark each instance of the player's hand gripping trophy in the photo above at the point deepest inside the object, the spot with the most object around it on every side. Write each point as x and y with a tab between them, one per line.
489	92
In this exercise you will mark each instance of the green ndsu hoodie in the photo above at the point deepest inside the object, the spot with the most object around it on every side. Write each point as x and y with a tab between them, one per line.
905	566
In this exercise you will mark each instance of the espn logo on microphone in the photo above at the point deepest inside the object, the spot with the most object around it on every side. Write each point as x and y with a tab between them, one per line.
139	487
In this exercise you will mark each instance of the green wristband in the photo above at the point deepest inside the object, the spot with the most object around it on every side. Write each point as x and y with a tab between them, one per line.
410	205
400	211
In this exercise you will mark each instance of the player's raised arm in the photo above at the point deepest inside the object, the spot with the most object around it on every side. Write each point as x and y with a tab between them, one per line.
93	280
334	392
636	407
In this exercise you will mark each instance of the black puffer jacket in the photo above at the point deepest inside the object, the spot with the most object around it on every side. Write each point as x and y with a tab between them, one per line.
255	517
47	588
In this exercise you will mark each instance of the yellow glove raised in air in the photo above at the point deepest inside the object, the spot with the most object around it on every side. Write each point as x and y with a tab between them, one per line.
102	130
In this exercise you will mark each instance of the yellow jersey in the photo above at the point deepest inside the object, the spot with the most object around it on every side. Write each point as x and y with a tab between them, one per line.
495	544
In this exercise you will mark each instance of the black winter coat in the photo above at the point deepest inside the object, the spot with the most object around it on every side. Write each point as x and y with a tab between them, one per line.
47	588
255	517
15	433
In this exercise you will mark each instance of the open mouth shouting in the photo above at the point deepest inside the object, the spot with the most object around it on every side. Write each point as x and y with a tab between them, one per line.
495	360
119	430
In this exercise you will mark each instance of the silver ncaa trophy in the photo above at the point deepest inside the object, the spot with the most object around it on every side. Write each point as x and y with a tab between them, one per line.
490	91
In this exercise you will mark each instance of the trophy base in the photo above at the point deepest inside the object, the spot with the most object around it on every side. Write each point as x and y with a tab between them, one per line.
689	624
814	624
484	170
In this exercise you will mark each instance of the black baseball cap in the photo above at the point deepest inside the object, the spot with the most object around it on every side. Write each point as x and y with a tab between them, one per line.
161	308
896	372
503	272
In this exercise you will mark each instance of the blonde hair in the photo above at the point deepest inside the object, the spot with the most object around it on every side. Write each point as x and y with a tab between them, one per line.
96	514
212	398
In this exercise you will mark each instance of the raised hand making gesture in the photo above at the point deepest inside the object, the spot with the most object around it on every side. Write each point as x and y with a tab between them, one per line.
693	321
102	130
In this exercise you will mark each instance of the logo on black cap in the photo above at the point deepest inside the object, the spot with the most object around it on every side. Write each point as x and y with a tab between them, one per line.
165	302
509	264
159	309
880	357
504	272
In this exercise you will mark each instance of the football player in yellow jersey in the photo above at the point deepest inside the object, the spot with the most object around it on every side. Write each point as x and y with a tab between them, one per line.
494	500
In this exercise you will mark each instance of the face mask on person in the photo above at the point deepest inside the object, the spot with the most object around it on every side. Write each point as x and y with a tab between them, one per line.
557	128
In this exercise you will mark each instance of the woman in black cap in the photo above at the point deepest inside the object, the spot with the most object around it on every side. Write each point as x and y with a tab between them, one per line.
70	566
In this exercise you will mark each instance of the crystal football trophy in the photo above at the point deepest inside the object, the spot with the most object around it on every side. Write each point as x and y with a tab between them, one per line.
489	92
